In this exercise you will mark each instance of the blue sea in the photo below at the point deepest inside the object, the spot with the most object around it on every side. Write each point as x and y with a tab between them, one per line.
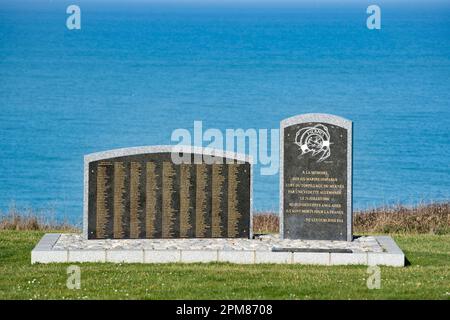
138	70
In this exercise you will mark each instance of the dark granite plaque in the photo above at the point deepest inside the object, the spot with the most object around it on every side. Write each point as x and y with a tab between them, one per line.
316	178
147	195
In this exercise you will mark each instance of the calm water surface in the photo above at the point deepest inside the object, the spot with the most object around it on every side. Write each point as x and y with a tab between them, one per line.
132	75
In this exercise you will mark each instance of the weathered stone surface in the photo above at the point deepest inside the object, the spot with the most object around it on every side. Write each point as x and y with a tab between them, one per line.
122	256
90	255
77	242
322	258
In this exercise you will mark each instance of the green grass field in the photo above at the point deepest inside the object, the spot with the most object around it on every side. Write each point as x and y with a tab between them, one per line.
427	277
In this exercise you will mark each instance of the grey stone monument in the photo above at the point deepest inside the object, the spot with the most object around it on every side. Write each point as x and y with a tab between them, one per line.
316	177
142	193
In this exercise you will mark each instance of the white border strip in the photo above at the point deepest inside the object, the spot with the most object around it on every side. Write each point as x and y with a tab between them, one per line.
44	253
122	152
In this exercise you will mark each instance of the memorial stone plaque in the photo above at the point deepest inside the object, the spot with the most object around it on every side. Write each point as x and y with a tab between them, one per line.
138	193
316	177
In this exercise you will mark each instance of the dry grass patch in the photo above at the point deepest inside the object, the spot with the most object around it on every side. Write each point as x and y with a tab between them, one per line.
431	219
33	220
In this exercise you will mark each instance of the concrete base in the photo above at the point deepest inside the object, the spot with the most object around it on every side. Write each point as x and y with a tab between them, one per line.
44	252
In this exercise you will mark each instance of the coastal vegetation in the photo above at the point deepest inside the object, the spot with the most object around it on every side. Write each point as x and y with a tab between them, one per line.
426	218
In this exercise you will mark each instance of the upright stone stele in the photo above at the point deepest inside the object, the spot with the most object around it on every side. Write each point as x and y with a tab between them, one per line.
316	177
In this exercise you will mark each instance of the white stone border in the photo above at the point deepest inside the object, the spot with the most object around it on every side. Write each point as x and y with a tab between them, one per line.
44	253
115	153
324	118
